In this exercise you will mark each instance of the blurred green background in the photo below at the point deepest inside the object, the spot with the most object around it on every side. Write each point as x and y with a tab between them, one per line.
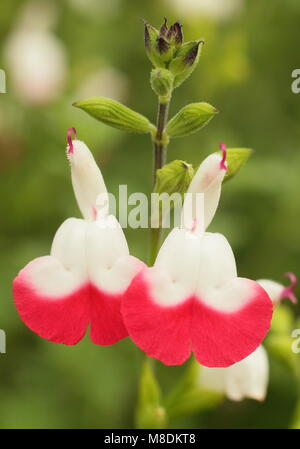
95	47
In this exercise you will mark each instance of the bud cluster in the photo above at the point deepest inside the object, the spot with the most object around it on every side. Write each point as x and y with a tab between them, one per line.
173	59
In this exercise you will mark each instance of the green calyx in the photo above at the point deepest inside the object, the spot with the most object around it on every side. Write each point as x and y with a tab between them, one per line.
115	114
161	81
190	119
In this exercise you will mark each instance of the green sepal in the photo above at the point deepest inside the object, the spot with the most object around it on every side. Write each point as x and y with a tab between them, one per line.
115	114
185	61
162	82
174	177
236	158
190	119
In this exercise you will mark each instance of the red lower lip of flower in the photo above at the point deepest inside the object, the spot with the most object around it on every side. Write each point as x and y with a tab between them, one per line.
171	333
65	319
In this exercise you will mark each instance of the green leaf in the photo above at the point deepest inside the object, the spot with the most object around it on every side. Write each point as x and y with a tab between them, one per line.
236	159
150	414
115	114
190	119
189	396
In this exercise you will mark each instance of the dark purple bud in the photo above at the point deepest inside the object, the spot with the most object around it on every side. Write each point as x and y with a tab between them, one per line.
174	34
163	29
162	45
178	33
191	56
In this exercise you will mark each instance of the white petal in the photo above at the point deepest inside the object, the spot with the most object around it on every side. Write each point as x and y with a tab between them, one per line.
110	267
249	378
84	252
245	379
87	180
65	269
274	289
189	263
208	180
174	276
216	263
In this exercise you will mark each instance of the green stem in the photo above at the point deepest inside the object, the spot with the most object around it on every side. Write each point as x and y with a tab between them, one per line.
160	144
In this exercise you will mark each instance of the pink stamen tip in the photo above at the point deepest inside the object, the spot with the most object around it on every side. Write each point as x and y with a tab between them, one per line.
288	292
95	213
195	224
224	151
71	132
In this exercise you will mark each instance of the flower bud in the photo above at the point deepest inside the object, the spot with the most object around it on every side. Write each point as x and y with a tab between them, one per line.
236	159
151	36
174	177
158	49
190	119
115	114
185	61
161	45
161	82
175	35
165	50
172	180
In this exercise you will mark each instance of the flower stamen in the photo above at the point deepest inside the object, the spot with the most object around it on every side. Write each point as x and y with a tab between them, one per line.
224	151
71	132
288	292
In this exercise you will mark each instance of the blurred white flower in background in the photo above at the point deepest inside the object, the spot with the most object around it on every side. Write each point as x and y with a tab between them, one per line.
245	379
35	58
105	82
214	9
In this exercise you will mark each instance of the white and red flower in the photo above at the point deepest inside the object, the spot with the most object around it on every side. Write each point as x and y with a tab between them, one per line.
89	268
248	378
191	300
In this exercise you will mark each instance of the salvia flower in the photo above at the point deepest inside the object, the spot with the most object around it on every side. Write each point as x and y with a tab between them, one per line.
191	300
277	291
84	278
248	378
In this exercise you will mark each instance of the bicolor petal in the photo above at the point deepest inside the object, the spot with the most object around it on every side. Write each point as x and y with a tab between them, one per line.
84	278
245	379
193	301
277	291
